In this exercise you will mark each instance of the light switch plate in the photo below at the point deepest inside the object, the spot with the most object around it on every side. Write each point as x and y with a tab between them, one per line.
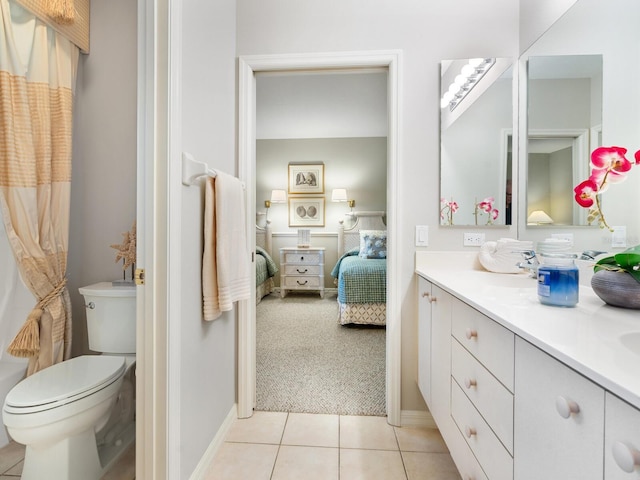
619	236
422	236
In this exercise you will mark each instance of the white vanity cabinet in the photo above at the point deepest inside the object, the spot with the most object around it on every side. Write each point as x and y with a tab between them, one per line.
434	353
559	419
424	338
621	440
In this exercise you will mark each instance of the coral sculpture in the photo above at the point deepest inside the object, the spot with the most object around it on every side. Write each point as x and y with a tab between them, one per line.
127	249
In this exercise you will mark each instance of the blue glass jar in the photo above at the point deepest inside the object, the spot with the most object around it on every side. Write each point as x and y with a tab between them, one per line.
558	280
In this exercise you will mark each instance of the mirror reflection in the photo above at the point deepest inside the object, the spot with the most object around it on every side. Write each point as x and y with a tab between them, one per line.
564	125
582	34
476	125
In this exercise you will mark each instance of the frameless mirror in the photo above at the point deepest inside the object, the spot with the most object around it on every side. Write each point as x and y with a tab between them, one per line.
476	126
580	39
564	125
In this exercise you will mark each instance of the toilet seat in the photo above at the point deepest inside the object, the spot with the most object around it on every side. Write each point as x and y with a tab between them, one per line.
64	383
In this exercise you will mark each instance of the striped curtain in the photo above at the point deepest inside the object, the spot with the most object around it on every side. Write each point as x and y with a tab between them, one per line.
37	76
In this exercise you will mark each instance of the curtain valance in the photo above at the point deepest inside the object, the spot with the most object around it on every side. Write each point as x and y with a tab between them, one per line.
77	32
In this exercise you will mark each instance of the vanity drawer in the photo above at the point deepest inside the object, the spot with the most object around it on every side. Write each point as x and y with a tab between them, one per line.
491	454
489	342
301	282
298	258
302	270
492	400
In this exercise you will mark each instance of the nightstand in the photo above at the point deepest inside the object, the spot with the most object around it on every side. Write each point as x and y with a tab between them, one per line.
301	269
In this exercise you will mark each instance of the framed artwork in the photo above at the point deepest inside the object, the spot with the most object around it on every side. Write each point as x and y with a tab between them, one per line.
306	178
306	211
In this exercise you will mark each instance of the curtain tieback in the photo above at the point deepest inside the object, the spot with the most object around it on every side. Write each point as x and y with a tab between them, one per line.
27	342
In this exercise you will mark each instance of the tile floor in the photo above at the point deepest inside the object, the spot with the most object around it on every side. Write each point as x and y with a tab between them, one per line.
12	457
281	446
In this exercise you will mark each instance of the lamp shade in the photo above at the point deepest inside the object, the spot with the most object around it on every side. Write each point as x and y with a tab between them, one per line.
538	217
278	196
339	195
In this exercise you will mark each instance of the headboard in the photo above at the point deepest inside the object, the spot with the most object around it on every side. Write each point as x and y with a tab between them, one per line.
349	238
264	236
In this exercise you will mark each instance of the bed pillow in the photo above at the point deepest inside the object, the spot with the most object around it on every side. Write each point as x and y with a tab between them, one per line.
373	244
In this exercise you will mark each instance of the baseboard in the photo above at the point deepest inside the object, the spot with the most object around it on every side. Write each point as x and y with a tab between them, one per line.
200	472
417	418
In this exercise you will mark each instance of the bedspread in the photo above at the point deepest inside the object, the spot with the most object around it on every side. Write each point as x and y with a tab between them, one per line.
361	280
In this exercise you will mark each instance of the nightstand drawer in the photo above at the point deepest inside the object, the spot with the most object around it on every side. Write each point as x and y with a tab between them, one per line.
300	281
488	395
302	270
311	258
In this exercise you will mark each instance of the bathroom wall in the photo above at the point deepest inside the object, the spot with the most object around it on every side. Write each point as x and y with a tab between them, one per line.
426	32
103	185
207	350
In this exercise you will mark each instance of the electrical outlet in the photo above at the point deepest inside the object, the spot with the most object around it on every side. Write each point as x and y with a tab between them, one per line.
473	239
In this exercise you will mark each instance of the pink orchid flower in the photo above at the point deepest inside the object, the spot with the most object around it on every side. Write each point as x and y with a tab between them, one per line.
586	193
609	166
494	214
611	158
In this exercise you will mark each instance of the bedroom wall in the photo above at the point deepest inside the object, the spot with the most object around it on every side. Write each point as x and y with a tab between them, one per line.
426	32
357	164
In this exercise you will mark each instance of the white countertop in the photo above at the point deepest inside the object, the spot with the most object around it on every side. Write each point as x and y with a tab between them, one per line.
599	341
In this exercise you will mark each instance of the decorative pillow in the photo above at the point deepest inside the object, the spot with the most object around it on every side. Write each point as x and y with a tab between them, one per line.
373	244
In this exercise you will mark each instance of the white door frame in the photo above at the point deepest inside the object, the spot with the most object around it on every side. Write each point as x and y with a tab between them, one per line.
152	243
248	67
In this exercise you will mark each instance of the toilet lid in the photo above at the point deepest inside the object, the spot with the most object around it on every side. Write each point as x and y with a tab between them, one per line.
65	381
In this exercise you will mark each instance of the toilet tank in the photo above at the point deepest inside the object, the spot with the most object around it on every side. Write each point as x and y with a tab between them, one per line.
111	317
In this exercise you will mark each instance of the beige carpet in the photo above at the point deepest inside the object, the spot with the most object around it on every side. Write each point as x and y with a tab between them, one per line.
308	363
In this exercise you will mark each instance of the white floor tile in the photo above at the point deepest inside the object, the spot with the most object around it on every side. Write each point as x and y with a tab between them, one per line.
371	465
367	432
422	465
414	439
261	427
311	430
308	463
242	461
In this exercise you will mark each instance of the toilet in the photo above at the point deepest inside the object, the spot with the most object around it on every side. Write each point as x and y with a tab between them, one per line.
78	416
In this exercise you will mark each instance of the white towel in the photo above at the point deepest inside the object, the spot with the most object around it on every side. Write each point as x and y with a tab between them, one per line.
225	261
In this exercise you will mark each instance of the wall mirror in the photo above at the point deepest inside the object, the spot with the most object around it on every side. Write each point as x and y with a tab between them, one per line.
600	107
476	126
564	125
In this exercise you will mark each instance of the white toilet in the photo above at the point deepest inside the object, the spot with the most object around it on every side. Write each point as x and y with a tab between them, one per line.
77	416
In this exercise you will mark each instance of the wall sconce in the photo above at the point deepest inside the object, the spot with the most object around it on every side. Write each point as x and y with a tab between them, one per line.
340	195
539	217
277	196
468	78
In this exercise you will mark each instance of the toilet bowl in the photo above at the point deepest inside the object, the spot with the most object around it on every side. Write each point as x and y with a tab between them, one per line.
77	416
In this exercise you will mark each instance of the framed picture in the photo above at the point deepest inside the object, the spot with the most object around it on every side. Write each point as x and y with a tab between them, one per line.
306	178
306	211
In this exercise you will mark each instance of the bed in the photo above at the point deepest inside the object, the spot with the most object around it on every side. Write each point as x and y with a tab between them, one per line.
361	270
266	268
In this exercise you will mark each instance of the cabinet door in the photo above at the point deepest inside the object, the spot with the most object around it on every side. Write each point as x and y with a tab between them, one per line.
559	419
424	339
441	360
621	440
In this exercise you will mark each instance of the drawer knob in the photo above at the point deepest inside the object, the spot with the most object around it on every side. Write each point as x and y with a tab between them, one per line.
302	271
426	295
302	283
470	382
625	456
471	333
469	431
566	407
302	259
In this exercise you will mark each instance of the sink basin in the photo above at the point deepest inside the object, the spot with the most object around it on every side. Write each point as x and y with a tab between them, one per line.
631	341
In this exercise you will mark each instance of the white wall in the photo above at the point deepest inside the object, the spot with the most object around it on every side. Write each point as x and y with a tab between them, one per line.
207	352
103	185
426	32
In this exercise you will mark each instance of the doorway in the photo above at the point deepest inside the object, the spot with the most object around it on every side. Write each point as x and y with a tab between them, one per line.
249	66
